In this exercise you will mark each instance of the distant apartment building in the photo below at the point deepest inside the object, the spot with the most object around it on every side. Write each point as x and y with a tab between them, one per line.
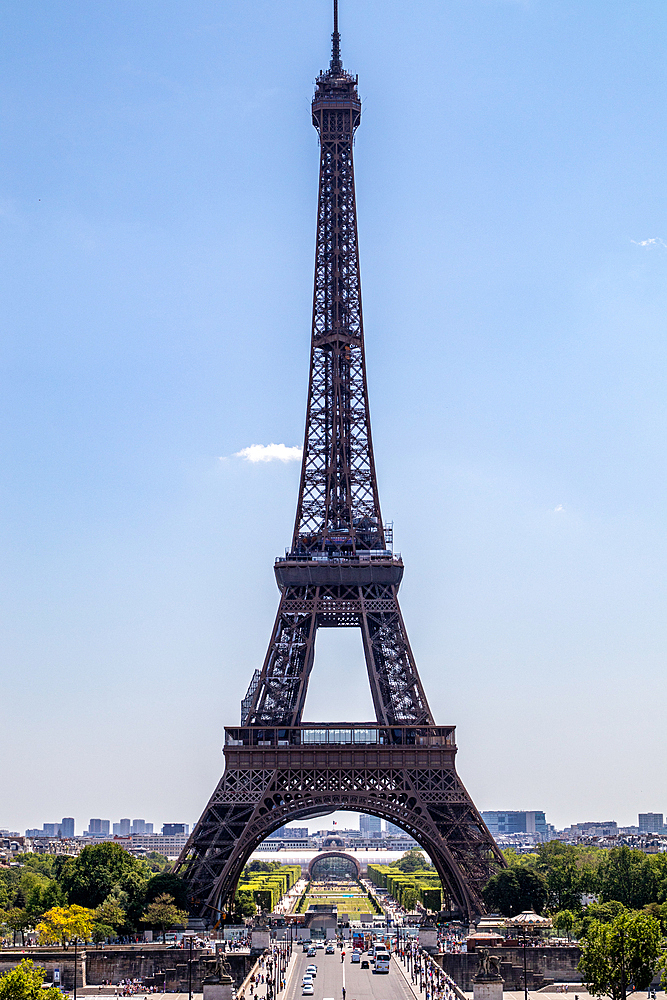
169	847
592	829
51	830
515	821
122	829
98	828
370	826
141	827
651	823
173	829
290	833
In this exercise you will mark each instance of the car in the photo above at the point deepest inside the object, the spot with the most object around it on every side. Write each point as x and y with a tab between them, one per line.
312	970
311	952
307	990
330	950
306	945
356	957
308	978
365	964
320	944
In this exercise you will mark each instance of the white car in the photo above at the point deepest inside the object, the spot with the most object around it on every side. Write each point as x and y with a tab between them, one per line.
307	990
311	970
307	979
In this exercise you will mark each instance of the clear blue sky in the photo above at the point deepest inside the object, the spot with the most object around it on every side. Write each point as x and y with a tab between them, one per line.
157	199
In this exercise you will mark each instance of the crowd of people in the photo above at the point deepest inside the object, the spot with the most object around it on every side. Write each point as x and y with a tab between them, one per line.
434	981
129	987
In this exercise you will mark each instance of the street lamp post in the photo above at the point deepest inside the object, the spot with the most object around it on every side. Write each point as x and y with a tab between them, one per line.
76	942
190	936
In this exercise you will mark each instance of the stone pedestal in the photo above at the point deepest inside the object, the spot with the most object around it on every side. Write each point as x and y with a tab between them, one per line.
428	938
218	988
488	983
259	939
487	989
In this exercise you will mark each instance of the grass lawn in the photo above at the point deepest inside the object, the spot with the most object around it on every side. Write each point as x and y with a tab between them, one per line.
351	900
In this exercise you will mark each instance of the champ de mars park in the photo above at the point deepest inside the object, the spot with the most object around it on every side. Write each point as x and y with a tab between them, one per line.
505	208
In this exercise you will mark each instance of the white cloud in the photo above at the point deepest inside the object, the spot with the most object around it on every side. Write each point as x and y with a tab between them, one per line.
269	453
656	241
559	508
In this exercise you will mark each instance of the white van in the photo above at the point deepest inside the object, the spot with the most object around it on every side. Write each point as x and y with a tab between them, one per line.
382	959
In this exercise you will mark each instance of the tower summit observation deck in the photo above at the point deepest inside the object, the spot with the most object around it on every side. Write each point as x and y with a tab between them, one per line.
339	572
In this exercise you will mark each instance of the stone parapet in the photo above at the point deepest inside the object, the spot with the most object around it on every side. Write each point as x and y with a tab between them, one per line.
544	966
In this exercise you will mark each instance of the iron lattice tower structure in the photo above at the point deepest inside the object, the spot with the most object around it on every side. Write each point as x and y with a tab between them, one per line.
340	571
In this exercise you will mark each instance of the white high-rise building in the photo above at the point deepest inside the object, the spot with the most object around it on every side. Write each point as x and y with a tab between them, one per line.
370	825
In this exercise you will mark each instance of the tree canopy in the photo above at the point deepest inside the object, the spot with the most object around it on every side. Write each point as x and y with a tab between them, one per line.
169	883
512	890
412	861
103	875
62	924
620	953
25	983
98	870
163	913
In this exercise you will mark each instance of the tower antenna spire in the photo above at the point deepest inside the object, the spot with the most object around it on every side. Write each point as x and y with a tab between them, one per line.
336	64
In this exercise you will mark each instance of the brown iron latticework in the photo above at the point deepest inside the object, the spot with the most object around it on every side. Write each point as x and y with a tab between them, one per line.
339	572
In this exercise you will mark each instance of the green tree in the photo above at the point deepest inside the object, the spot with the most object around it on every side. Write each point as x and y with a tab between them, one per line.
258	866
25	983
244	904
102	869
5	897
409	898
164	913
628	876
156	862
563	921
604	912
40	893
412	861
167	882
110	913
103	932
18	919
42	863
512	890
659	911
620	955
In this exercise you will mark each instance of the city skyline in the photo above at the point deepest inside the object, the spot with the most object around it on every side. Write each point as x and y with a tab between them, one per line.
156	207
645	822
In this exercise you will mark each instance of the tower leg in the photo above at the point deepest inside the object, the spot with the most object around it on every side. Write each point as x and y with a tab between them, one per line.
398	695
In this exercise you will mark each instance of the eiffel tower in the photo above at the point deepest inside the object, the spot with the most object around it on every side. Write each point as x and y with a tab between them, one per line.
340	572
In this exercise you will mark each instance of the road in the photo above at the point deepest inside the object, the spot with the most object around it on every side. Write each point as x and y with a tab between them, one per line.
360	984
